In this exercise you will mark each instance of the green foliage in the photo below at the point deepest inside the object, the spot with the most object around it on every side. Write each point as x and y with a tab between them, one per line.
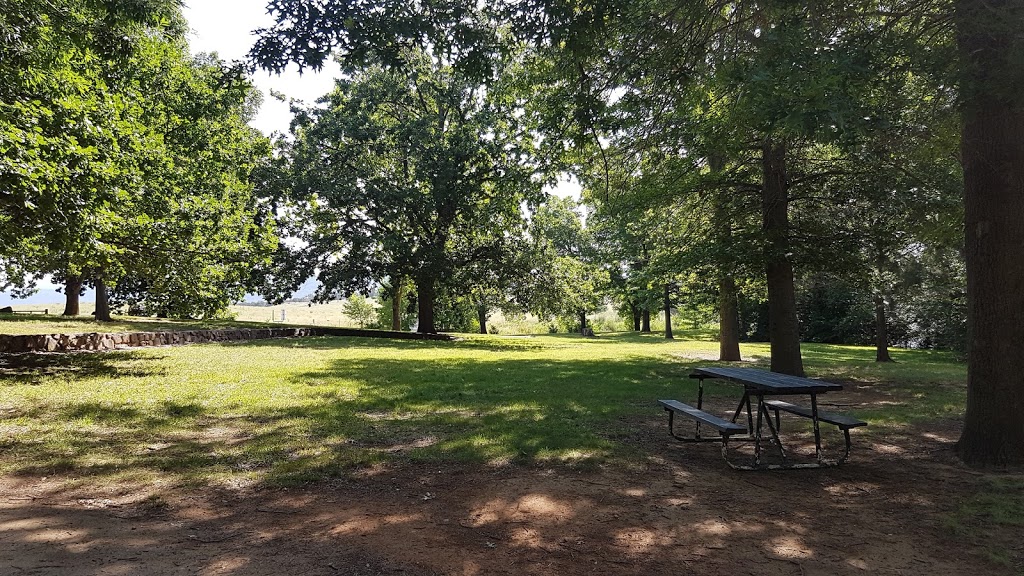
385	312
417	172
359	308
125	158
566	281
835	311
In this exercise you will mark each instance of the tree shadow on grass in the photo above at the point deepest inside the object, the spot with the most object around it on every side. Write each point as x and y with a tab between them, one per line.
567	412
493	411
354	412
32	368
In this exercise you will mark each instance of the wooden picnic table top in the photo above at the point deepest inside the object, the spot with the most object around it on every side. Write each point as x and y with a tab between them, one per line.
770	382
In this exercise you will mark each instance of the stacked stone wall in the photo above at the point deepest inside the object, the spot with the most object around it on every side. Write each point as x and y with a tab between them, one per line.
99	341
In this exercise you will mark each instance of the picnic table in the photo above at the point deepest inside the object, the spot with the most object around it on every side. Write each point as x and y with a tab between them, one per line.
759	385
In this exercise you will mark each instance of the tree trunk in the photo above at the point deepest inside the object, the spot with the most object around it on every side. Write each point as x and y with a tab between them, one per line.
425	300
645	321
635	310
102	301
668	312
72	293
881	332
728	305
583	323
396	306
728	321
481	315
992	151
783	325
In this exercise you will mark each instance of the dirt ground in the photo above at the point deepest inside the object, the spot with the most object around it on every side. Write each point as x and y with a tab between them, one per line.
684	512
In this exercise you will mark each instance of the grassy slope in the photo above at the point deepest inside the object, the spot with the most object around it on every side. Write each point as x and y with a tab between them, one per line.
288	410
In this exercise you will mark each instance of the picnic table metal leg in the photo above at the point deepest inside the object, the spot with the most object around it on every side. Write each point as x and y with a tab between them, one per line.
757	430
739	407
774	431
745	401
846	453
750	415
700	403
817	430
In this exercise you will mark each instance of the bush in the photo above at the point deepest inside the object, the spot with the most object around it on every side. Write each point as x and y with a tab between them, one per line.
359	309
834	311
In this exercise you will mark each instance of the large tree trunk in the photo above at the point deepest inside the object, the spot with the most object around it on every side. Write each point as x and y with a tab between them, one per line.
668	312
728	305
425	300
992	151
645	321
583	323
783	325
102	301
881	332
481	315
396	306
72	294
728	321
635	311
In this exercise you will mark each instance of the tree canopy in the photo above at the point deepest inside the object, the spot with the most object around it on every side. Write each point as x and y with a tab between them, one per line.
415	172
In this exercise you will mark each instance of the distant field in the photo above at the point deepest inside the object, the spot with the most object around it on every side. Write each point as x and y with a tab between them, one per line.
296	313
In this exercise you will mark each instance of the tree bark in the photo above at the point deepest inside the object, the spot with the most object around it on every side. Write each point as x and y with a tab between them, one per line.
728	304
881	332
668	312
645	321
72	294
992	152
728	321
583	323
396	305
635	310
481	315
425	300
102	301
783	325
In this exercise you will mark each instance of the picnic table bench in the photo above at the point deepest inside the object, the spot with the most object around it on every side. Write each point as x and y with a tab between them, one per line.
757	384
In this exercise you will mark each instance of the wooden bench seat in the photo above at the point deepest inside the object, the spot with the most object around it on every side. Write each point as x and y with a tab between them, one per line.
843	421
724	427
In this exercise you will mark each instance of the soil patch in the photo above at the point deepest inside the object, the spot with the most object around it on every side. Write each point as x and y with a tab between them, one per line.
683	510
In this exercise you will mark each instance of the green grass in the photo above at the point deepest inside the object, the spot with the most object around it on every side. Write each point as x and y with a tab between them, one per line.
993	518
282	411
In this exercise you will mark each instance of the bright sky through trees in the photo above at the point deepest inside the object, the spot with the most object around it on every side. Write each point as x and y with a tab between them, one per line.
225	27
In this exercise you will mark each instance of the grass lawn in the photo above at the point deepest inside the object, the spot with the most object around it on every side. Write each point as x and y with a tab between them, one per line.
282	411
285	412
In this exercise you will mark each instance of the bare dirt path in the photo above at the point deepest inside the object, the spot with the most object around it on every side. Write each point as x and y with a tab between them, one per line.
684	512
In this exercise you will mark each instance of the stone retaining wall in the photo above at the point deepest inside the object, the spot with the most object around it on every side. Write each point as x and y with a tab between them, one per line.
111	341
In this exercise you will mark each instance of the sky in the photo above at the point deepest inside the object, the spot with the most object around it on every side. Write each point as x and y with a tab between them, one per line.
225	27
